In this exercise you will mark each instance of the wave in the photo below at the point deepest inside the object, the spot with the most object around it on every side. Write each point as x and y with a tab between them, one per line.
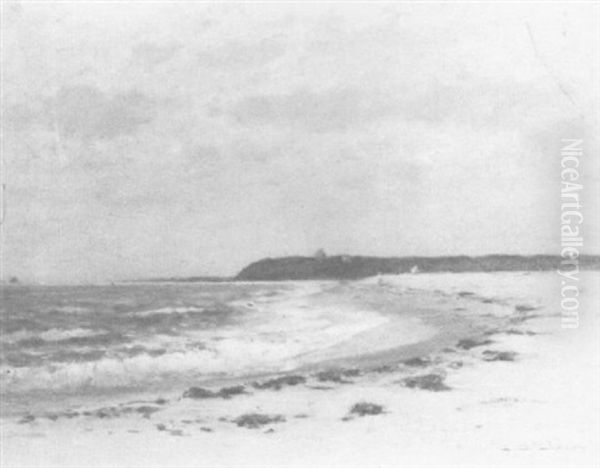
144	368
53	335
234	351
169	310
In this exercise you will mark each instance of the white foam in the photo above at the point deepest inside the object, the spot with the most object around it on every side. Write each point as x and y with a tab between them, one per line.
56	334
169	310
277	339
53	335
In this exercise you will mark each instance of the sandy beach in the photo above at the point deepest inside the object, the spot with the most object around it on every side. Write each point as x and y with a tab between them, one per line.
431	370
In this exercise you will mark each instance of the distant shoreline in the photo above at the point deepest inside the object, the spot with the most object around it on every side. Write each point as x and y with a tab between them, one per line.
347	267
353	267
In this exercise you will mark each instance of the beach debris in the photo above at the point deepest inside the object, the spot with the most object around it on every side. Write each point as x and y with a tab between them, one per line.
256	420
431	382
364	408
337	375
176	432
280	382
199	393
465	294
161	427
469	343
491	355
206	429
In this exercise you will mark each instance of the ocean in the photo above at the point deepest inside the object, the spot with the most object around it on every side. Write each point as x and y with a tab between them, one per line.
72	338
86	340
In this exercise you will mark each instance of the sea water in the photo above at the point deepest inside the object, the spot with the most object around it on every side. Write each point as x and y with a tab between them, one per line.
98	338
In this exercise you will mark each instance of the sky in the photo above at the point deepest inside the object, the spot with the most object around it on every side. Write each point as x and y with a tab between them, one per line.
174	139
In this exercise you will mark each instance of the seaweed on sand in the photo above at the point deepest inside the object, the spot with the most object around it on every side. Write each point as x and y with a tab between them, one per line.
525	308
469	343
337	375
366	409
417	362
491	355
27	419
256	420
146	410
228	392
431	382
279	382
199	393
387	368
514	331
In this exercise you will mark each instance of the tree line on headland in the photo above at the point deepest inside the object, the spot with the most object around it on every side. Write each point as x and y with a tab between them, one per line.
356	267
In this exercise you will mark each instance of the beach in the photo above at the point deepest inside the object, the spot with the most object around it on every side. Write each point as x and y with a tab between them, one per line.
439	369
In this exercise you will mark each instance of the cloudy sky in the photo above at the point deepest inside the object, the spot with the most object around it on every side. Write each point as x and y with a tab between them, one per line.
153	139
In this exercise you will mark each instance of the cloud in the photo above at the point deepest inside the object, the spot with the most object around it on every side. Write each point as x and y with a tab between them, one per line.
149	55
474	103
334	110
86	112
242	55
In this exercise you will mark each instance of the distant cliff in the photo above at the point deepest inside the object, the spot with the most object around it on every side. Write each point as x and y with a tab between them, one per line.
353	267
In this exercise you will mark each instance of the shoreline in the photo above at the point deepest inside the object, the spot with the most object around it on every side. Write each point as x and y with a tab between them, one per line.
495	396
376	346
